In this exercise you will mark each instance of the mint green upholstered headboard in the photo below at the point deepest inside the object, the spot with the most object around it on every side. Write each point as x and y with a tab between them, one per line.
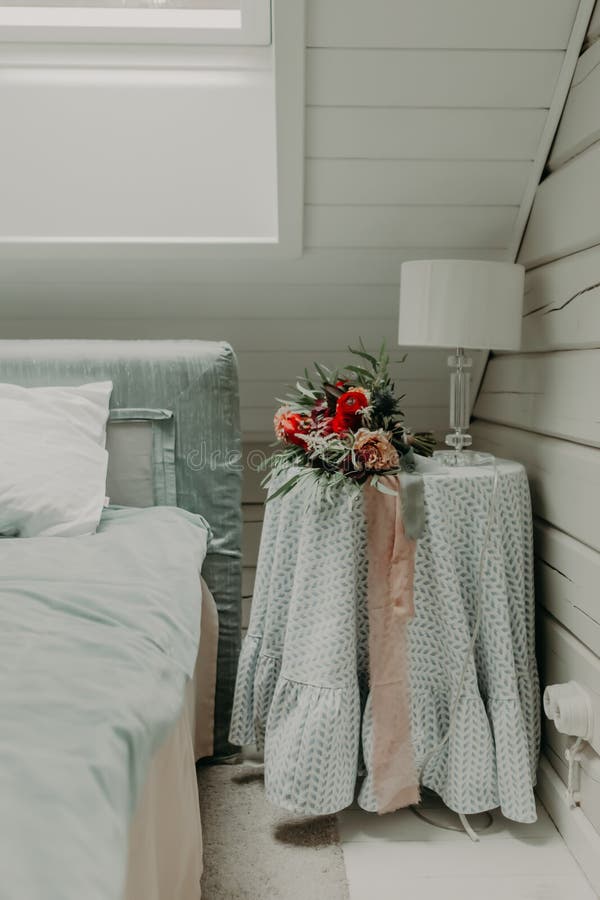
198	381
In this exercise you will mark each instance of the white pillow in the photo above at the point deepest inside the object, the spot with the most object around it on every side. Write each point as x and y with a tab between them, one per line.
52	459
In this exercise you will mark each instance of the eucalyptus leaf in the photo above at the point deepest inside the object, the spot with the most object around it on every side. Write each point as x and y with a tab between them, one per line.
285	488
359	370
308	381
305	391
325	374
364	355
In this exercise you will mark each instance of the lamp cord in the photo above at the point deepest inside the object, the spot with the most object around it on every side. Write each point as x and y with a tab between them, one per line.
464	826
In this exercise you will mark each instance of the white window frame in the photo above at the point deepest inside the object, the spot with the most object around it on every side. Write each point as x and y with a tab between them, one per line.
289	57
251	26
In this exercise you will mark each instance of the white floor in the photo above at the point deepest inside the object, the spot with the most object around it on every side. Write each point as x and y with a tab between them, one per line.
400	856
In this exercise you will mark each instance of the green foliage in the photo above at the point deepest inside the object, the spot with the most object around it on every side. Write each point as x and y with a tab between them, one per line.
329	457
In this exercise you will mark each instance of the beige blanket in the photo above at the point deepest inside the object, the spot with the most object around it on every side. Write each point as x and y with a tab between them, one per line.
165	839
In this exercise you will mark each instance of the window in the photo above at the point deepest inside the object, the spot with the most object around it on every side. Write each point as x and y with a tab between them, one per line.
163	152
223	22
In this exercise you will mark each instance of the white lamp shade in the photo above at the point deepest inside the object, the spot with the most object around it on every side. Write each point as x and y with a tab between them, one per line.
461	303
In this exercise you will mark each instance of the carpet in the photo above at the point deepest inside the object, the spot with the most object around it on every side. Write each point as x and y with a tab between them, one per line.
253	851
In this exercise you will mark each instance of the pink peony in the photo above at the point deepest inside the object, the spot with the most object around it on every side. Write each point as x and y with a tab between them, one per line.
374	450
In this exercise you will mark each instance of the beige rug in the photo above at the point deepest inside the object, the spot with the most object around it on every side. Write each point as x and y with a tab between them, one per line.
253	851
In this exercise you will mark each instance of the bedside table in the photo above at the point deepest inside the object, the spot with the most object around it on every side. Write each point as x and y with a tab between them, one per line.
302	687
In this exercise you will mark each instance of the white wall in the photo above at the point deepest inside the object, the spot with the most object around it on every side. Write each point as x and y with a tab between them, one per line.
423	122
542	406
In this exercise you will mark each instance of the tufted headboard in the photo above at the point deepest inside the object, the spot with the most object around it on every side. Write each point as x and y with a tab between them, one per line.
197	381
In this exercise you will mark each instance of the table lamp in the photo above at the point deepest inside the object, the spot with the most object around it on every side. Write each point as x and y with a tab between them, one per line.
462	304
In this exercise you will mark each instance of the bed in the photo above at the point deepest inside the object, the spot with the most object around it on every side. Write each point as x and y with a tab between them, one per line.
168	548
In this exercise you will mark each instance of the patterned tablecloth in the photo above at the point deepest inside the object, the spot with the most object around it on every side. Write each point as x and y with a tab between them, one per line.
302	686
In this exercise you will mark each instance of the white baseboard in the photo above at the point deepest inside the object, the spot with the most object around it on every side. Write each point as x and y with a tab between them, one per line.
578	833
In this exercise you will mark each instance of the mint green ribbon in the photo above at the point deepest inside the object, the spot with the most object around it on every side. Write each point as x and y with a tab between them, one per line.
413	505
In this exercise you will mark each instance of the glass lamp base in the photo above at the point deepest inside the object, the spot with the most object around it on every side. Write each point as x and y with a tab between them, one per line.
463	458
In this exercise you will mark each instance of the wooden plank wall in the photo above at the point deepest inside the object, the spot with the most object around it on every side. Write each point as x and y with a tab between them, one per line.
422	124
542	406
423	121
253	498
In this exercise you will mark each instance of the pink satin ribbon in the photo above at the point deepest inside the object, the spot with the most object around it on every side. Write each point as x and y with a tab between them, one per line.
390	605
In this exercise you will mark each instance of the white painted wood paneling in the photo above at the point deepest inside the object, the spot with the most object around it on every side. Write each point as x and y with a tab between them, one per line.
459	93
419	134
421	394
282	366
415	78
549	393
559	98
577	832
389	182
564	327
562	304
397	226
243	334
547	408
27	268
457	24
254	454
565	217
250	540
594	29
253	513
248	578
580	123
568	582
210	301
564	477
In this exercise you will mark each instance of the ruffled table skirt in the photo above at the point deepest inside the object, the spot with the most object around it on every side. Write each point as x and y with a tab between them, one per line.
302	690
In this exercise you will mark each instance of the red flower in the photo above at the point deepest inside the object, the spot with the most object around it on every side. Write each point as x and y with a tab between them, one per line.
289	426
348	410
319	409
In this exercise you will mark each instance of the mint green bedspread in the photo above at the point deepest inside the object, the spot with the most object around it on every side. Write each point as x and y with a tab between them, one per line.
98	635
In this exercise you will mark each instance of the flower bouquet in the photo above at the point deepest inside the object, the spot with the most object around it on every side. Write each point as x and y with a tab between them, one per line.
341	426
